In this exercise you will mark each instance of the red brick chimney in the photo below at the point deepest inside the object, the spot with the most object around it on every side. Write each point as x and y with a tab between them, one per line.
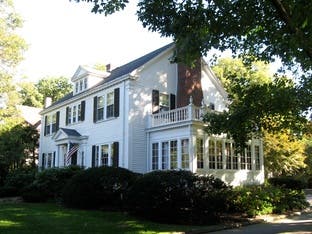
189	84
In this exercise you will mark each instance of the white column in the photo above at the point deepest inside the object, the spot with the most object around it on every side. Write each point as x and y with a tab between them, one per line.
192	151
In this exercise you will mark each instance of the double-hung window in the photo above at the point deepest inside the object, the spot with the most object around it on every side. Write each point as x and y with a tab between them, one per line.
106	106
185	155
155	153
164	102
165	155
48	125
105	159
200	152
74	114
79	112
51	123
257	157
174	154
100	108
110	105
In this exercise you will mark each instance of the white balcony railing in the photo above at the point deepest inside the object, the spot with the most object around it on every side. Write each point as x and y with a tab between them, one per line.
178	115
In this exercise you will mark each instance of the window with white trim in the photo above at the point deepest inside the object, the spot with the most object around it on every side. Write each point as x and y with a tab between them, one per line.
171	154
110	105
200	152
155	156
228	155
185	155
219	154
174	154
74	113
165	155
212	154
51	123
100	108
257	157
103	155
81	85
164	104
248	157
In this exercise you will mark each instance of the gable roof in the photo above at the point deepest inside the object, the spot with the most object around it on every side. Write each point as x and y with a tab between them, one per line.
70	132
30	114
122	70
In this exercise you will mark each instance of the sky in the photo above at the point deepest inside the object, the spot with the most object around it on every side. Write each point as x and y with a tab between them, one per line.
62	35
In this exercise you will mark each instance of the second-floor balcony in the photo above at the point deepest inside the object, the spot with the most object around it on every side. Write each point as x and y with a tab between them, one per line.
179	115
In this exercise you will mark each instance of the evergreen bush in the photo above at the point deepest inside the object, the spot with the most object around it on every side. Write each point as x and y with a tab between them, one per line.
17	180
287	182
99	188
178	197
49	184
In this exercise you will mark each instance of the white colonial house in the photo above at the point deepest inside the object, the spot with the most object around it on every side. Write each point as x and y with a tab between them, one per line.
145	115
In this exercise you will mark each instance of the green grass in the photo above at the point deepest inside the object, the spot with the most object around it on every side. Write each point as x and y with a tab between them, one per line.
26	218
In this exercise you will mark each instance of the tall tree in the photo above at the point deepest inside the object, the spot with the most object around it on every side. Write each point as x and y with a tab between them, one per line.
258	102
30	95
12	47
54	87
243	26
284	154
11	51
253	30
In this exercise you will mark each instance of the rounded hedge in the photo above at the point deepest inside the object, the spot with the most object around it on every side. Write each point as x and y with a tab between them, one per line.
17	180
178	197
287	182
49	184
99	188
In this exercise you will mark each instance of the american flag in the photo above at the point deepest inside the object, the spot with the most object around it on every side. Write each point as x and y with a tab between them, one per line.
73	149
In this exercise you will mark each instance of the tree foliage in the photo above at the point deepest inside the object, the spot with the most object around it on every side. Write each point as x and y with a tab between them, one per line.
12	47
284	154
54	87
245	27
258	102
30	95
18	144
253	30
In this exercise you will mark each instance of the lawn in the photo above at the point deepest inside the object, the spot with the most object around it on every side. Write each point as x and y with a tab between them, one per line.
26	218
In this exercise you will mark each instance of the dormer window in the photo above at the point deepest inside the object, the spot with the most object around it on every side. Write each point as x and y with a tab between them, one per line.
85	81
81	85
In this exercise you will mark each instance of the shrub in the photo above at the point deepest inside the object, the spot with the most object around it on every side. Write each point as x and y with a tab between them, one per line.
101	188
287	182
255	200
49	183
8	191
17	180
178	197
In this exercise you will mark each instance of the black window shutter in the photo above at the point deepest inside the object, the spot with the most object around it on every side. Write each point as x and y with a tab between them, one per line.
115	154
43	161
83	109
45	125
57	121
95	109
53	159
93	156
155	101
66	118
116	102
172	101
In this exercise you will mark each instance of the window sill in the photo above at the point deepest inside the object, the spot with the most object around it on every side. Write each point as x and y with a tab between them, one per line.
105	120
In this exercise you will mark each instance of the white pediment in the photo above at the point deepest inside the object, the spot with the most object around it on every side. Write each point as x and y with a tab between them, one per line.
60	135
83	71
